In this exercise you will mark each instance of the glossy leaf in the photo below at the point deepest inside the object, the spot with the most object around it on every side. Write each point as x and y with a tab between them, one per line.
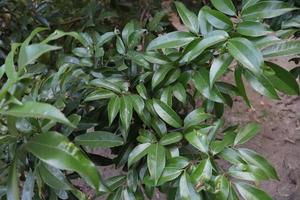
166	113
188	18
99	139
137	153
38	110
252	29
160	75
217	19
246	133
203	171
113	108
245	52
55	150
240	84
196	117
99	94
266	10
284	48
101	83
198	140
248	191
186	188
225	6
28	187
219	67
171	40
13	192
259	161
126	111
156	161
204	25
261	84
283	80
170	138
193	50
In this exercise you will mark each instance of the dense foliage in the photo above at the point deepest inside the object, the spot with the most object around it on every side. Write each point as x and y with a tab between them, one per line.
155	101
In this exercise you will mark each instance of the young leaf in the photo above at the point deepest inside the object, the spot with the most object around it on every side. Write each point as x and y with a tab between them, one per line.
186	188
196	117
225	6
170	138
261	84
217	19
246	133
188	18
113	108
266	10
56	150
193	50
171	40
283	48
198	140
137	153
126	111
99	139
245	52
259	161
219	67
38	110
166	113
156	161
248	191
252	29
283	80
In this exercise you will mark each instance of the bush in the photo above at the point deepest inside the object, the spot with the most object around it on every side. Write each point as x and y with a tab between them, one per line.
157	104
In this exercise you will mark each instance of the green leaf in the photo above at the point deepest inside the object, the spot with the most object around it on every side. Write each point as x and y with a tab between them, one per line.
13	192
137	153
99	139
58	34
247	3
82	52
101	83
224	187
33	52
196	117
53	177
231	156
284	48
156	161
121	49
225	6
170	138
127	31
179	92
205	26
126	111
113	108
246	133
38	110
219	67
198	140
253	158
240	84
203	171
7	139
99	94
197	47
28	187
252	29
283	80
186	188
56	150
246	53
156	58
261	84
188	18
10	70
217	19
160	75
138	104
266	10
171	40
106	37
264	41
166	113
248	191
201	80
